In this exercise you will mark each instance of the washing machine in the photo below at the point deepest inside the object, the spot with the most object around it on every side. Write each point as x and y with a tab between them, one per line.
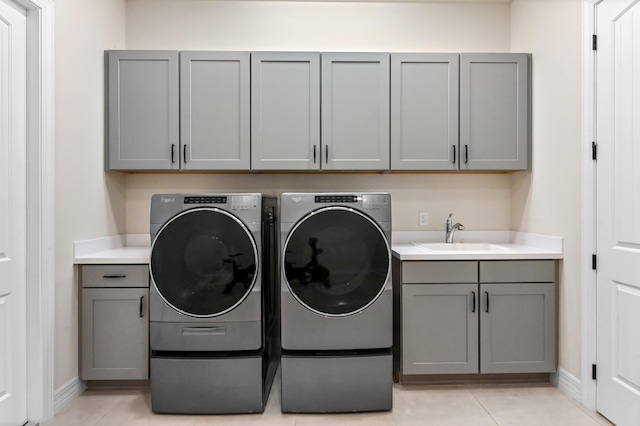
336	302
213	302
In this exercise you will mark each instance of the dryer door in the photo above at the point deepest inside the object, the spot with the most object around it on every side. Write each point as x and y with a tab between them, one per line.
336	261
204	262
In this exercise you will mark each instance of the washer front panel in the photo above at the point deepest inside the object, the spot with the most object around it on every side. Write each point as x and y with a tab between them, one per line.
204	262
336	261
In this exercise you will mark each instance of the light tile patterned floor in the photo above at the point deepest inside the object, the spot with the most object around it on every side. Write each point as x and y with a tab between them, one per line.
521	405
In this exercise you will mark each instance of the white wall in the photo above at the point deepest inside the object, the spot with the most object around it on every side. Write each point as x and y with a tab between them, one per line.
479	201
88	202
547	200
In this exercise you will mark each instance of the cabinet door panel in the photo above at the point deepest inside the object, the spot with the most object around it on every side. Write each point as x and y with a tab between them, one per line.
440	328
214	110
517	328
494	111
355	111
143	110
115	333
285	108
424	111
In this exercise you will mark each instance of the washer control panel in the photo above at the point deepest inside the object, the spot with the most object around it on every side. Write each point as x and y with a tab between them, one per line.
244	202
205	199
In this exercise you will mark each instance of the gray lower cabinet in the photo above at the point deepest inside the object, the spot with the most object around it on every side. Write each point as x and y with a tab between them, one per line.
355	111
518	316
469	317
114	325
494	111
169	111
285	111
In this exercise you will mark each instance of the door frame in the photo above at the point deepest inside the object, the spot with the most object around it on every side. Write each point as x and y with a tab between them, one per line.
589	205
40	209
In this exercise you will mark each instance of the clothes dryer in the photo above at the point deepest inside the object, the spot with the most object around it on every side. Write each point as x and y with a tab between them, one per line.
213	302
336	302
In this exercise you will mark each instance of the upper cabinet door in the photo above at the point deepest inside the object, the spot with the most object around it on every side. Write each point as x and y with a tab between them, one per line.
143	110
424	111
214	110
355	111
494	111
285	111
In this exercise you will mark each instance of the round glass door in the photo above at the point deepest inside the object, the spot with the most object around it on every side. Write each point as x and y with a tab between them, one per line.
204	262
336	261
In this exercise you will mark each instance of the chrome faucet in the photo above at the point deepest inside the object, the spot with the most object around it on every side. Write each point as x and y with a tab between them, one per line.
451	229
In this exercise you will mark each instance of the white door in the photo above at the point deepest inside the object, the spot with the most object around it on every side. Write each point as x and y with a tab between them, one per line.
618	211
13	318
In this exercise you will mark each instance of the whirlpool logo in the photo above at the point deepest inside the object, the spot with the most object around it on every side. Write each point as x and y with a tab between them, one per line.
168	200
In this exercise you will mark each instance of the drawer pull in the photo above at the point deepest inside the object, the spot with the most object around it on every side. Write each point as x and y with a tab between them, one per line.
114	276
204	331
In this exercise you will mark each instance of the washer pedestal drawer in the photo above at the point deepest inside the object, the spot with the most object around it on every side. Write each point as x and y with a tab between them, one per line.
334	384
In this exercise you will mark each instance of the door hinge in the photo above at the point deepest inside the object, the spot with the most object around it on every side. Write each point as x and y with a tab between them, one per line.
594	42
594	150
594	262
594	372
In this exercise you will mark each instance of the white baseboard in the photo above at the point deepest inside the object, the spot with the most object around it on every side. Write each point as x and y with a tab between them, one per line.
67	393
568	384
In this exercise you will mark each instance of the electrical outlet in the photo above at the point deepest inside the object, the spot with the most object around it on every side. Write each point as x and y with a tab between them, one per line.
424	218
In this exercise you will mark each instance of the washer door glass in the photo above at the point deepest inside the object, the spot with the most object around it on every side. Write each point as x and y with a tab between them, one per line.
204	262
336	261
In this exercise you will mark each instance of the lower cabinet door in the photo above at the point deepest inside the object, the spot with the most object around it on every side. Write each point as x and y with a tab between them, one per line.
440	328
517	328
115	334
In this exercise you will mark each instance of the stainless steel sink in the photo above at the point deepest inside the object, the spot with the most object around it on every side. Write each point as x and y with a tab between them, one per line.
461	247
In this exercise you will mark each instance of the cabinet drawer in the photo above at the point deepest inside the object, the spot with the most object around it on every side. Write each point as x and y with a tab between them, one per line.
114	275
440	272
517	271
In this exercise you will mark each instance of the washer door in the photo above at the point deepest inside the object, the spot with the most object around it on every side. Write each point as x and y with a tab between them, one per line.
336	261
204	262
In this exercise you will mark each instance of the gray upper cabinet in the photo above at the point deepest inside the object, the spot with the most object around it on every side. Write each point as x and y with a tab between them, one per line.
494	111
355	111
142	110
214	110
424	111
285	111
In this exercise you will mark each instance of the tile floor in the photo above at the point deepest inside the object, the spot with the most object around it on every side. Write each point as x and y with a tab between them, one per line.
469	405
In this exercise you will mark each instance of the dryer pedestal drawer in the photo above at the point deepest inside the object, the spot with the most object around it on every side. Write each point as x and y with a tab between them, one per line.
335	384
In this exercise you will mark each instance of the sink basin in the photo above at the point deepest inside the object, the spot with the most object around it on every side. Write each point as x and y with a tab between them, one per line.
461	247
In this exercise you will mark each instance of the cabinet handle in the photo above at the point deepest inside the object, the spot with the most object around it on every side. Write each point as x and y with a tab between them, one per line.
454	154
326	154
114	276
184	154
466	154
173	153
314	154
486	306
141	306
473	309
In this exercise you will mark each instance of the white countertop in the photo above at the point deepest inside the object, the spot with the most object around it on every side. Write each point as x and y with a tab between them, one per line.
135	248
119	249
513	245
